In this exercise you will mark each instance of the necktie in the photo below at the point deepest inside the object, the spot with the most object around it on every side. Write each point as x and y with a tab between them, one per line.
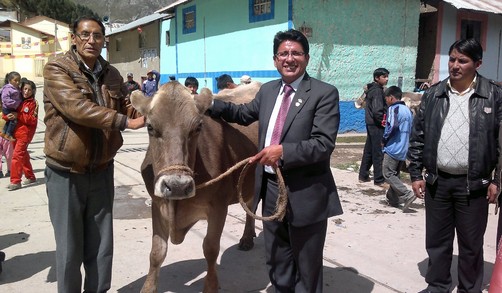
281	117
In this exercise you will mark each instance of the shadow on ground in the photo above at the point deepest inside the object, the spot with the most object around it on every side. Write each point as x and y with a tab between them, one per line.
243	271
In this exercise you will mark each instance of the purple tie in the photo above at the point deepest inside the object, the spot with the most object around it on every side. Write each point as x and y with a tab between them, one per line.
281	117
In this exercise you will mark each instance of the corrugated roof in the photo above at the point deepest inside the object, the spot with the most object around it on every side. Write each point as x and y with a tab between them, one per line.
493	6
139	22
5	18
170	8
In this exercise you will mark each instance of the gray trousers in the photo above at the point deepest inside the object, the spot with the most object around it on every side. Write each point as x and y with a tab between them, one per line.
390	170
80	208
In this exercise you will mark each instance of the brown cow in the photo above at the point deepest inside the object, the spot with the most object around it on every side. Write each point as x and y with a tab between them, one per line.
187	148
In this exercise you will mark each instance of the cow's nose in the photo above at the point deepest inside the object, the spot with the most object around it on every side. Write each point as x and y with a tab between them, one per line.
175	187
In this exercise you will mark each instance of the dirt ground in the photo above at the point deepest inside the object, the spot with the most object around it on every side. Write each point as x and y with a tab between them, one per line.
345	157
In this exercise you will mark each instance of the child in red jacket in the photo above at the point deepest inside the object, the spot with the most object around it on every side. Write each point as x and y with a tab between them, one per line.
27	118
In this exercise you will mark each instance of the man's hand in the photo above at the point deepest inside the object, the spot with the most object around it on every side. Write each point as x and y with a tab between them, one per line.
492	193
268	156
419	188
12	116
136	123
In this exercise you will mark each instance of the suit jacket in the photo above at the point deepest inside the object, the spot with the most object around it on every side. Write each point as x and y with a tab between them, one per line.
308	140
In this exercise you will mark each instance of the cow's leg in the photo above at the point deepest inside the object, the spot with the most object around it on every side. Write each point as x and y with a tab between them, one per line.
247	242
211	246
160	225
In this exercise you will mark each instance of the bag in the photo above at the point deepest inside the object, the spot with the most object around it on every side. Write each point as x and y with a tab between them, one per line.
360	103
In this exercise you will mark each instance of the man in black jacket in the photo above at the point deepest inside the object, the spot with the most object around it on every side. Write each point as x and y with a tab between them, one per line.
455	139
374	115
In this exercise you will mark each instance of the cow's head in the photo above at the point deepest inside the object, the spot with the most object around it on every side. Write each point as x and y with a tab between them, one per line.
174	121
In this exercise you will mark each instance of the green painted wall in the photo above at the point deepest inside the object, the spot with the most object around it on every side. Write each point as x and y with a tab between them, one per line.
351	38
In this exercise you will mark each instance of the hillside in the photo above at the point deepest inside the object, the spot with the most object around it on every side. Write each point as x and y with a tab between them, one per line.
124	11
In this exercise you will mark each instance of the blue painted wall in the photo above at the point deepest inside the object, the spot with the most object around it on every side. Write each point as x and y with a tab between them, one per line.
348	42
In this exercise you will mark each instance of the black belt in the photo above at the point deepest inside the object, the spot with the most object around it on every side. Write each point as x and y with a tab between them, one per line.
270	176
449	175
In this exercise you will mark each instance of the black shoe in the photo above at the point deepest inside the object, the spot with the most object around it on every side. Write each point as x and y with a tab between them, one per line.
7	174
2	258
364	180
1	174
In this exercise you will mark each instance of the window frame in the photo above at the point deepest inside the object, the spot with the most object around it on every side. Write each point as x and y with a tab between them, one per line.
473	16
186	11
261	17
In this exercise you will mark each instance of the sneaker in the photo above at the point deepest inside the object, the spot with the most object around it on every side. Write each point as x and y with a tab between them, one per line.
7	174
391	202
383	185
29	181
14	186
409	199
2	259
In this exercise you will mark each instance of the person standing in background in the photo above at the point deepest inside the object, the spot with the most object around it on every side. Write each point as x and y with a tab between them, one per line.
395	146
11	98
131	84
374	118
192	83
151	84
27	117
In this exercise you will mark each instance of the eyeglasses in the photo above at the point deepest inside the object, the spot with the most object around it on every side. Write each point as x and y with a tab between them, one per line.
85	36
285	54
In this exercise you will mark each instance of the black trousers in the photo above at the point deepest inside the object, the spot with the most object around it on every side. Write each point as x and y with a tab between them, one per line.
294	255
450	208
372	154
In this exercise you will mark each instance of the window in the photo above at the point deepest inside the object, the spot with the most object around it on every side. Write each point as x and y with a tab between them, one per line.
142	40
168	38
260	10
189	20
118	44
470	29
472	25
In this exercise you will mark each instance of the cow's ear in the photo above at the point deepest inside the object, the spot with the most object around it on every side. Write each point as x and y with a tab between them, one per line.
140	102
203	100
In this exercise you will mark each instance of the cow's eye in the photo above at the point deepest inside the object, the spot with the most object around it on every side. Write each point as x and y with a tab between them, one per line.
149	128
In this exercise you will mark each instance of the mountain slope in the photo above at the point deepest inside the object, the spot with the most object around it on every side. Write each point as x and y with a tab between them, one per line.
124	11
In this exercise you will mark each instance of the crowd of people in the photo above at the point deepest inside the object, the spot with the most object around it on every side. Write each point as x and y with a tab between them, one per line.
452	145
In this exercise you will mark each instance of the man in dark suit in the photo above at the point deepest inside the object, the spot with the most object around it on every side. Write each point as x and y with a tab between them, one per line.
301	147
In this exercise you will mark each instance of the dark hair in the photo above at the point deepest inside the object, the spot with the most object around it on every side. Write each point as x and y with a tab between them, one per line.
88	18
469	47
394	91
222	80
191	81
291	35
379	72
31	83
10	76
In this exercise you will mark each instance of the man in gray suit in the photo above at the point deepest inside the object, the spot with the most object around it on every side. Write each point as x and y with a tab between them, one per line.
298	124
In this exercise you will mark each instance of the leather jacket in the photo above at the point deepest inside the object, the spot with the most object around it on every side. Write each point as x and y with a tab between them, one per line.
84	114
485	113
375	105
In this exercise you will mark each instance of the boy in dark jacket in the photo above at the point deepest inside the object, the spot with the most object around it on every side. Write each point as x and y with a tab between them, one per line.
374	118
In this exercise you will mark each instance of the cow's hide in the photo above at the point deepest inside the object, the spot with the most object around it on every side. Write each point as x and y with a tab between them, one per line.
187	148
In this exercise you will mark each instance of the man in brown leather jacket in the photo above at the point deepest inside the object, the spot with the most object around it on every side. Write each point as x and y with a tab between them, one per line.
85	110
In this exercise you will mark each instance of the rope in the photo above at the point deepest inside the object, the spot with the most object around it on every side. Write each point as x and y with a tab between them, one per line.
282	198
